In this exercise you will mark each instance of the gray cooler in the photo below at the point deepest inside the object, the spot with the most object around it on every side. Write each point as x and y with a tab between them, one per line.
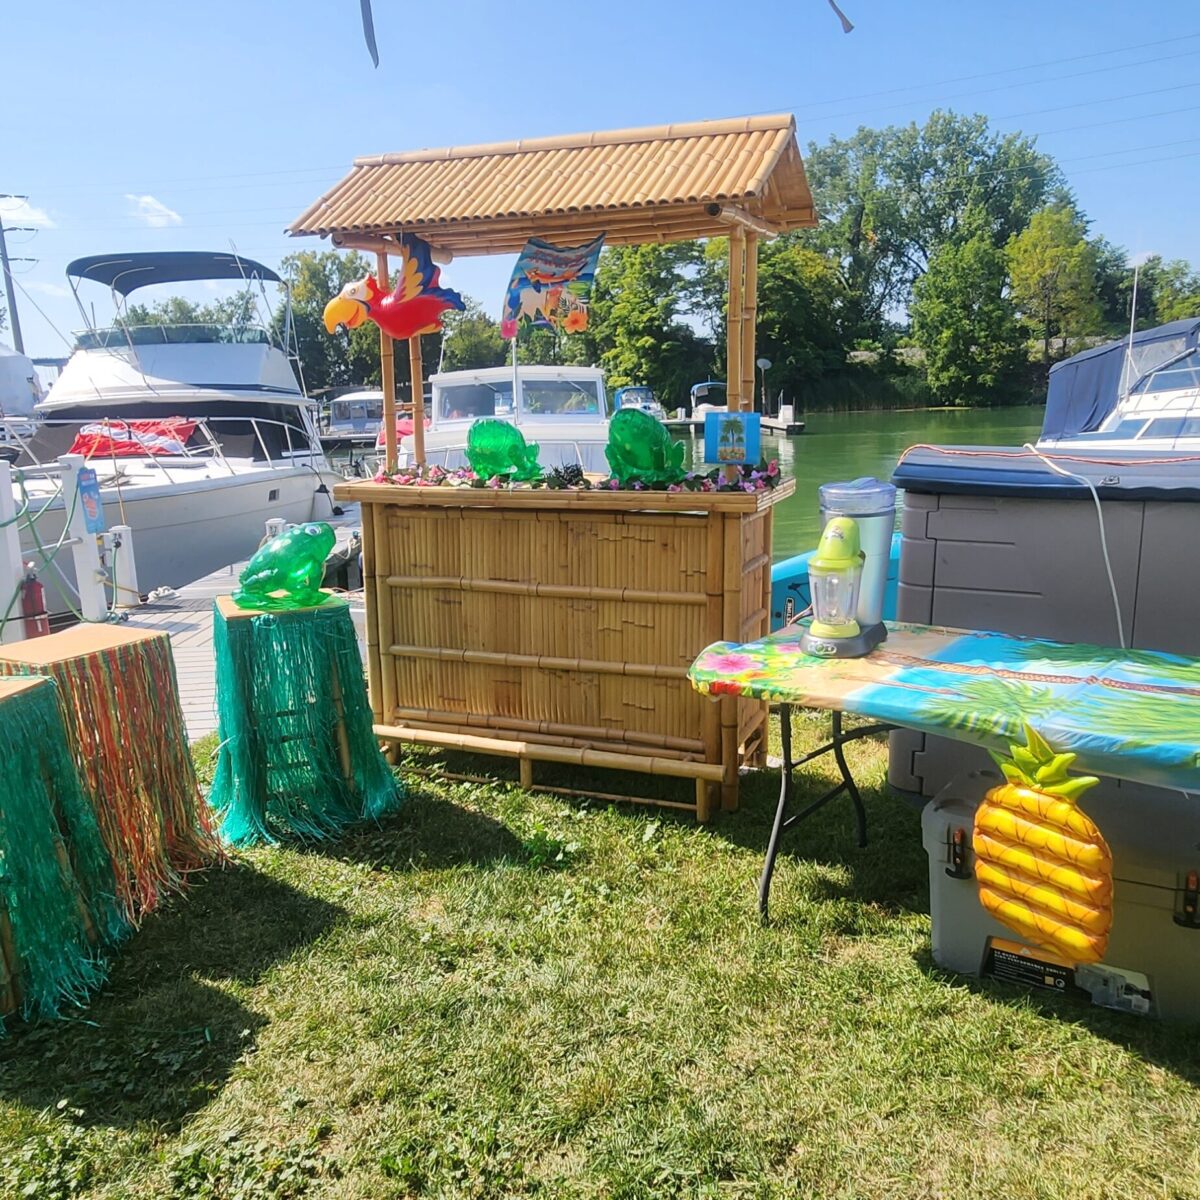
1152	967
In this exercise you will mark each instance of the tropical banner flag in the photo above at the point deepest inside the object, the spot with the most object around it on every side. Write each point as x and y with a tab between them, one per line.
551	286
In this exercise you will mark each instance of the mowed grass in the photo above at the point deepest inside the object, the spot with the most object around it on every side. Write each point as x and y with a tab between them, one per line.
505	994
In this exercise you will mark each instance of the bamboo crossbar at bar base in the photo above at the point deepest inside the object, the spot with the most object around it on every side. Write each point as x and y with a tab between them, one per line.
546	739
533	786
510	724
544	662
568	756
463	583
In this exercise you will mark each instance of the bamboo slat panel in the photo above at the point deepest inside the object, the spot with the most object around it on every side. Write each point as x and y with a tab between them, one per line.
559	626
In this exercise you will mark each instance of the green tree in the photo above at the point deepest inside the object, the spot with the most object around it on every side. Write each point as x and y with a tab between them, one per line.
234	310
802	310
1174	286
471	339
635	327
1052	267
890	198
966	324
348	357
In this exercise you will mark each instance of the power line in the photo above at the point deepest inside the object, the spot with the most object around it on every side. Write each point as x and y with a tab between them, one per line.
208	184
1049	62
862	112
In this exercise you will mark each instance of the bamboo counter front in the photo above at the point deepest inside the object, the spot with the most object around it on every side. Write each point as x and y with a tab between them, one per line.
558	626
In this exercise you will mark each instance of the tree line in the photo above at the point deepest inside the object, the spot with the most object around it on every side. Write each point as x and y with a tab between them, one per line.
952	264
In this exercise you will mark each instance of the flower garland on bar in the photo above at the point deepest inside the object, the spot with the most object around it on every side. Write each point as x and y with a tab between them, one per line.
762	478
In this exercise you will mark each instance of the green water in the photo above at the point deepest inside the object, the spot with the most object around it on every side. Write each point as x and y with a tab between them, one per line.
847	445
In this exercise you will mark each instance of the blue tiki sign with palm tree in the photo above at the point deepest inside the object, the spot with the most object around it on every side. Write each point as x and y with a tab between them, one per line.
732	437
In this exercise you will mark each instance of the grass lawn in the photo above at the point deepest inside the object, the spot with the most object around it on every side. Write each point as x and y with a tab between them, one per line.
504	994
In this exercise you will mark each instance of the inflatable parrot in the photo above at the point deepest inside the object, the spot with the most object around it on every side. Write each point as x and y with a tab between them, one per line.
414	307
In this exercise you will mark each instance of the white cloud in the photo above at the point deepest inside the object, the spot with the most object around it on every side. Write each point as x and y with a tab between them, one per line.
47	289
152	212
21	212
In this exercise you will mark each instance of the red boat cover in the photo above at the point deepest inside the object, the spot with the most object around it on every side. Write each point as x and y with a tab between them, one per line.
132	439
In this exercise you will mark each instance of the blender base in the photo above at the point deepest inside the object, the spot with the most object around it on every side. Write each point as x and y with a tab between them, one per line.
857	646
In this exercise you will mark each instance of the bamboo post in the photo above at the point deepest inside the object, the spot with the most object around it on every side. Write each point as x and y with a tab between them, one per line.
387	371
733	353
749	317
416	374
731	632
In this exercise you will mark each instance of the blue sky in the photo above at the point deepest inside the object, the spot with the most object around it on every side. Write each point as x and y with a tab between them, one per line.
141	124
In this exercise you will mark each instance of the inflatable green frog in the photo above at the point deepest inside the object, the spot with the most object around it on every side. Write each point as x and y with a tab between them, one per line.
640	450
287	571
498	448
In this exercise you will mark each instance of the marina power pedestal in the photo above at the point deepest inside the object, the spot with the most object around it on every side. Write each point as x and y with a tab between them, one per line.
1152	966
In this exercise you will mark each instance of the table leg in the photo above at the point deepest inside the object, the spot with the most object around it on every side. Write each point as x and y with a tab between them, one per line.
785	795
848	780
784	820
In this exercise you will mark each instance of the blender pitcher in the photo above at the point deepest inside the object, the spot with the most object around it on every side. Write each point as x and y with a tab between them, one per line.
872	505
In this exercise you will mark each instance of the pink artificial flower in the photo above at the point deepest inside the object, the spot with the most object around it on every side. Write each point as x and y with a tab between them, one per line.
381	476
494	482
773	468
674	487
613	484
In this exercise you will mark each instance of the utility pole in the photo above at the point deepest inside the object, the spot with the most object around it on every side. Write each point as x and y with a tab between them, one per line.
18	343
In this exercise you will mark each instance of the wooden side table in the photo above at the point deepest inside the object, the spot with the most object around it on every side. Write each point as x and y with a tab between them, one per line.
298	758
120	704
58	902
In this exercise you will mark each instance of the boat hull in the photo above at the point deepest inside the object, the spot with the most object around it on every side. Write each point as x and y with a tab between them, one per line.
186	530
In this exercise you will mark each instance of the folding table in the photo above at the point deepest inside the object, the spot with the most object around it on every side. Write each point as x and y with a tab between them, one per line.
1131	714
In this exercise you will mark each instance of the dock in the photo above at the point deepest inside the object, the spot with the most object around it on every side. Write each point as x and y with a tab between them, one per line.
188	617
695	425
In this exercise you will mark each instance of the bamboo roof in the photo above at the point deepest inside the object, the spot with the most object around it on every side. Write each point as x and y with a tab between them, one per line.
665	183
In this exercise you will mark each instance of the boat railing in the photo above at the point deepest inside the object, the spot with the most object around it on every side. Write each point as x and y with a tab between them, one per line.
280	444
180	334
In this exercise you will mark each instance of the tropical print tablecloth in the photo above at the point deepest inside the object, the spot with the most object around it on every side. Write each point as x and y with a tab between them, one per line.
1132	714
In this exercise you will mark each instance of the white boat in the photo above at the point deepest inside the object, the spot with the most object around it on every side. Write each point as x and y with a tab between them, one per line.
197	433
563	409
20	390
353	419
641	398
1158	415
1140	394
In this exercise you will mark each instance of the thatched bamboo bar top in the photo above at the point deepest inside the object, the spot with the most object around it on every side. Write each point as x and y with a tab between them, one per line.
661	183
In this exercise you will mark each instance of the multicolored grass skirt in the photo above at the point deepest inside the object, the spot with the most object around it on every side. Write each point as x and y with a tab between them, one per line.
298	759
59	910
120	702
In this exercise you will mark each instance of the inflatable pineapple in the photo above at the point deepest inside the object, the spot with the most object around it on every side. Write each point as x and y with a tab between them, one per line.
1043	867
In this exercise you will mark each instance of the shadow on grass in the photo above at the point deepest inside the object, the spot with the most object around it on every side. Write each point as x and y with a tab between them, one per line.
430	833
1171	1045
160	1040
890	873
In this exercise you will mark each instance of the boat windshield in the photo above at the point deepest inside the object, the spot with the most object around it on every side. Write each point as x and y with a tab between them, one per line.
470	401
1182	374
560	397
117	336
1174	427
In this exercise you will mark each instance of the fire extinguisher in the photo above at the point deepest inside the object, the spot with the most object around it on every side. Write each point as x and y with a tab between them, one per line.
33	605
